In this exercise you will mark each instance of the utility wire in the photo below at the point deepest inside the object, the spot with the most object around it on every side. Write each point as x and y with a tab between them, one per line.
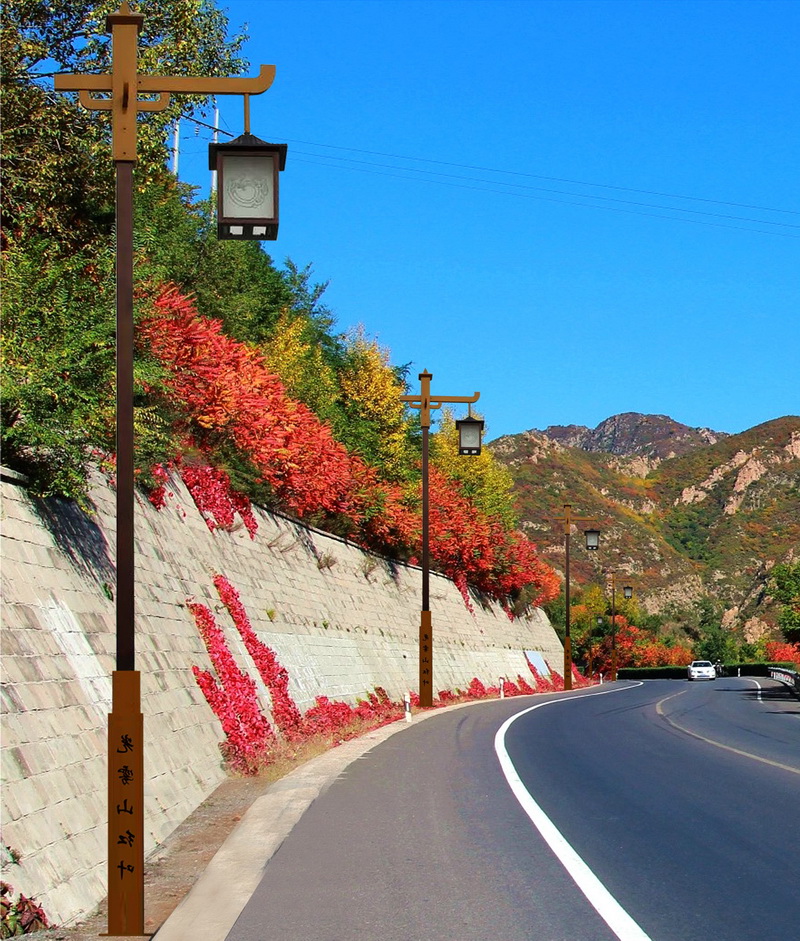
563	202
366	166
615	199
552	179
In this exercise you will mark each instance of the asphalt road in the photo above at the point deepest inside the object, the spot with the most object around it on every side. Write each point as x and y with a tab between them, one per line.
683	800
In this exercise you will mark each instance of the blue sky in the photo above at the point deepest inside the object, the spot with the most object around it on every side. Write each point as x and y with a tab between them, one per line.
500	193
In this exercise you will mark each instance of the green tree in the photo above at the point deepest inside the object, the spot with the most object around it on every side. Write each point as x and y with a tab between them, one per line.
717	644
785	587
58	378
58	363
58	169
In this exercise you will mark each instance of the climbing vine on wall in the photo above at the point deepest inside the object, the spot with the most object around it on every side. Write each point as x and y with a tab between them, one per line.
251	743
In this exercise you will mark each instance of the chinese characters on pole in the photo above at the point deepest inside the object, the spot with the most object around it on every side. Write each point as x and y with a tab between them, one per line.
126	806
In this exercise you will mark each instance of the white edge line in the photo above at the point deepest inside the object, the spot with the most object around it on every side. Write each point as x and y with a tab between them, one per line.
617	919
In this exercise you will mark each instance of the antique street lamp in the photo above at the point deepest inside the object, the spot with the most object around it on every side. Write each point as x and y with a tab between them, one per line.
628	593
599	620
247	186
469	435
592	538
124	92
472	445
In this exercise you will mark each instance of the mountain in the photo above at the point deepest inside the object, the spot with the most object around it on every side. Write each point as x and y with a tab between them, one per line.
654	436
685	513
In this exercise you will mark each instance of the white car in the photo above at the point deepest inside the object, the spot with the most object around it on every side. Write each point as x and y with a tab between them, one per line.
702	670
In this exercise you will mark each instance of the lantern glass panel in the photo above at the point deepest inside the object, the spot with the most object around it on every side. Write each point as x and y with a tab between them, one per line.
248	186
470	435
592	538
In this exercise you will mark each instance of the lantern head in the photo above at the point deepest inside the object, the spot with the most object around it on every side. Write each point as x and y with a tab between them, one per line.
628	591
592	537
247	187
469	435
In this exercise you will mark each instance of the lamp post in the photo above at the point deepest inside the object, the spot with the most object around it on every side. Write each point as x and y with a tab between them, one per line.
124	84
599	620
627	591
469	430
592	537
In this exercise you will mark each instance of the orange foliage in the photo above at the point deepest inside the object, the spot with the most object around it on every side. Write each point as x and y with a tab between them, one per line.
226	391
778	652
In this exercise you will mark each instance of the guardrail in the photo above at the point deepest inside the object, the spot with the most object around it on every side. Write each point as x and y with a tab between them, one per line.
790	677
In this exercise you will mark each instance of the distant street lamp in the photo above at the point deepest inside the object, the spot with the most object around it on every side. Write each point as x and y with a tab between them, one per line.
469	443
592	541
119	92
599	620
627	591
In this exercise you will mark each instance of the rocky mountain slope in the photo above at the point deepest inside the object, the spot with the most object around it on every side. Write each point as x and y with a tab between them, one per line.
654	436
684	512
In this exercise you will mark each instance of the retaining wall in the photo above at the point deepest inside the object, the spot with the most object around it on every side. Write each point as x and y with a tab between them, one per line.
341	620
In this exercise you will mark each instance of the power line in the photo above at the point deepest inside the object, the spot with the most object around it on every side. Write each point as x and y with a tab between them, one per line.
615	199
563	202
367	166
552	179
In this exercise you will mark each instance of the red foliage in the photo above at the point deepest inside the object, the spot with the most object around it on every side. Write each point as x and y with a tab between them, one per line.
636	647
578	680
248	735
476	689
226	392
471	548
218	503
158	496
524	686
543	685
778	652
285	713
656	654
556	679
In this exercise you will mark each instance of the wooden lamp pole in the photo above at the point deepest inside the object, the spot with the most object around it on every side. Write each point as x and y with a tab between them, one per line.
119	93
426	404
568	519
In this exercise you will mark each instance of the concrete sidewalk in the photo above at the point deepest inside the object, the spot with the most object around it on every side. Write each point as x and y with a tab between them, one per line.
210	909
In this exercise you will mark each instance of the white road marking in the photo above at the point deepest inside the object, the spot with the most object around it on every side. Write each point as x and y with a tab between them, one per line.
617	919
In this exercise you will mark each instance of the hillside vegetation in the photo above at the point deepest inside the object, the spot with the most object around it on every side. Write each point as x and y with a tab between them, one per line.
698	522
244	384
246	387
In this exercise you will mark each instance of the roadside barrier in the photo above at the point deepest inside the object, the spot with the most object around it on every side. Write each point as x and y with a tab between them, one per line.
789	677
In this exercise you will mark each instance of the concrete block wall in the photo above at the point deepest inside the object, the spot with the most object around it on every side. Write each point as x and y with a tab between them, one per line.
341	620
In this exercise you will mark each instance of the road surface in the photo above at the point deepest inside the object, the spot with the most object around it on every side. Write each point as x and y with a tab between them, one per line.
681	800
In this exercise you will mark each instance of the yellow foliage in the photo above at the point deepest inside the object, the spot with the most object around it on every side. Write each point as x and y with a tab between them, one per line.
299	365
595	602
369	383
486	482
